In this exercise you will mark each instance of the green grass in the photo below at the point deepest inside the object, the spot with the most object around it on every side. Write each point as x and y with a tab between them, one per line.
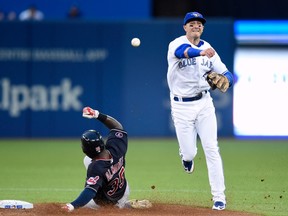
256	173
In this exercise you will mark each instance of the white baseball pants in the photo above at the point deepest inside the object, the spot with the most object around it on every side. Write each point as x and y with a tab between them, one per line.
198	117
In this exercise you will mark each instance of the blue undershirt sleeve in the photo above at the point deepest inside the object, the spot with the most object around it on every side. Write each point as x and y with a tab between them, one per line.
192	52
85	196
229	76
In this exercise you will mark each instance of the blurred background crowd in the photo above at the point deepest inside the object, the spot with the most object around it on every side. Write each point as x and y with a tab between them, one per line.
23	10
33	13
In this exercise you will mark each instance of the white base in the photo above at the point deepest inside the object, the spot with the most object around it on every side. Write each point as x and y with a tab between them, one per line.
15	204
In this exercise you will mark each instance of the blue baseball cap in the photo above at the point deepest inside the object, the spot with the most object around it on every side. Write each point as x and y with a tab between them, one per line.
194	16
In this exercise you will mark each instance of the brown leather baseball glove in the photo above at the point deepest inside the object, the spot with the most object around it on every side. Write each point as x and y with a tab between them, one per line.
219	81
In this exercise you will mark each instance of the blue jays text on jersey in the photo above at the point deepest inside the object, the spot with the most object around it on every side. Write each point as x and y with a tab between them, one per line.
192	61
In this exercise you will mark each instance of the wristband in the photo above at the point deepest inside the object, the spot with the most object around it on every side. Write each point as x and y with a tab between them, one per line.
192	52
102	117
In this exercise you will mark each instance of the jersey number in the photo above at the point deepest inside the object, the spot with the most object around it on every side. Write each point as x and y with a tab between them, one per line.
117	182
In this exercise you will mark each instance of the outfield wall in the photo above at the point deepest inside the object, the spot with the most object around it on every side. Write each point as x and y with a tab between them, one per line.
51	70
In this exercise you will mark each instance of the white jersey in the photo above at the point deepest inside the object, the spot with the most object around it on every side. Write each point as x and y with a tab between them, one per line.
186	76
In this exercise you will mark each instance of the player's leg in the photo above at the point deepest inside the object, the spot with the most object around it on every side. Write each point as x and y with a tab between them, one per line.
207	130
124	201
183	116
186	136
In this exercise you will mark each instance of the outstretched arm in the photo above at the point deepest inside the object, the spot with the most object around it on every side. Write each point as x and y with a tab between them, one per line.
186	51
107	120
85	196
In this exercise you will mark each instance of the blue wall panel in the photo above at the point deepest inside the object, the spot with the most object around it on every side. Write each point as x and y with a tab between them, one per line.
55	69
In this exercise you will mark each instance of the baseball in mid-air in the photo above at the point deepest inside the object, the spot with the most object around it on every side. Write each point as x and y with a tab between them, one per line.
135	42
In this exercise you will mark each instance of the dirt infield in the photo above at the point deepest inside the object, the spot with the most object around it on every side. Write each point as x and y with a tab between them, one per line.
54	209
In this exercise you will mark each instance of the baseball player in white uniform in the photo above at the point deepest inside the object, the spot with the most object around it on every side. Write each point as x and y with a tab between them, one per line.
193	68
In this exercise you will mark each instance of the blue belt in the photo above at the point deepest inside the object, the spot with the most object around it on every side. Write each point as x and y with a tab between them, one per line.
189	99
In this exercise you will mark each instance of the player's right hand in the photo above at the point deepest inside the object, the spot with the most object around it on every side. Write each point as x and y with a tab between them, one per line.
90	113
68	207
210	52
